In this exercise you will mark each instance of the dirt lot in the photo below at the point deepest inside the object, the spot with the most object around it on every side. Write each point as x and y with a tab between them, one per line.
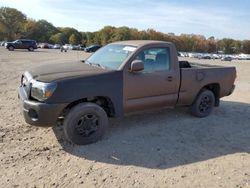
164	148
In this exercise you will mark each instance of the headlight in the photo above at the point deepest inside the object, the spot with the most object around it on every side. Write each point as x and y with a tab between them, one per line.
42	91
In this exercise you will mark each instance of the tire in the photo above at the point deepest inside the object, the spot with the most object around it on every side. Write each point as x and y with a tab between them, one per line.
203	104
11	48
31	49
85	123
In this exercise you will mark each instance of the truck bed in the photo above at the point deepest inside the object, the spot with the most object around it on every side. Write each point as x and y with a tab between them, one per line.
195	76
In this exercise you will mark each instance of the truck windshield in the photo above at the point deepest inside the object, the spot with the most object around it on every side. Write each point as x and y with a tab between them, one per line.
111	56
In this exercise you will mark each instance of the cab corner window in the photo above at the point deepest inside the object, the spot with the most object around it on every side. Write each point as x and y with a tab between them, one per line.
155	59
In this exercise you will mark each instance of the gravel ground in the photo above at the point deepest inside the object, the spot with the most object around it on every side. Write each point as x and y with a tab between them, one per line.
163	148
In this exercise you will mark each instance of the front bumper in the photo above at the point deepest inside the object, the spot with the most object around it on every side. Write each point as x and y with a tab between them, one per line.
37	113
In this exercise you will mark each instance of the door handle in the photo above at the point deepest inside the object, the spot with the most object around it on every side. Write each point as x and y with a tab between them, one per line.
170	78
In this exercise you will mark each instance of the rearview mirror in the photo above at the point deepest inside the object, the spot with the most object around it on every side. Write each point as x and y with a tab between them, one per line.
136	66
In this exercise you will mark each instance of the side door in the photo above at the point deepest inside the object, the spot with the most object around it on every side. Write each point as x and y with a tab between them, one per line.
155	86
18	44
25	44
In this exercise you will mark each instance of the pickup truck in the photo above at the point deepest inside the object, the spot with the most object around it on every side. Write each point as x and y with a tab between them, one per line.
119	78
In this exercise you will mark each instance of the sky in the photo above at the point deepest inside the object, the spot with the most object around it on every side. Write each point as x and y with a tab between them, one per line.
221	18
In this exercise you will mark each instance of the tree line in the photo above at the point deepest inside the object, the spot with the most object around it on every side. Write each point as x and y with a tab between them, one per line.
14	24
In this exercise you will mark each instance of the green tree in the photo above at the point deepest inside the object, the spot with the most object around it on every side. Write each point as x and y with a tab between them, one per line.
11	22
68	31
211	46
40	30
74	39
237	45
29	28
246	46
187	43
59	38
90	38
227	45
121	33
44	30
106	34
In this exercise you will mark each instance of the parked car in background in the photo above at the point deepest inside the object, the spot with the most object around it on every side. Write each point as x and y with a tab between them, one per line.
243	57
205	56
79	47
51	46
183	54
2	43
226	58
216	56
66	47
44	45
57	46
92	48
21	44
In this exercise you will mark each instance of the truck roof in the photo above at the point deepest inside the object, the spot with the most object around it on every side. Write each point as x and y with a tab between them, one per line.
140	42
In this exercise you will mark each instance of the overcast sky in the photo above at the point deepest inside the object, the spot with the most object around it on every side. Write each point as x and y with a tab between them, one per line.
224	18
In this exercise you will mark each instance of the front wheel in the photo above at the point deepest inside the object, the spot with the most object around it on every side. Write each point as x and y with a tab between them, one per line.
203	104
11	48
85	123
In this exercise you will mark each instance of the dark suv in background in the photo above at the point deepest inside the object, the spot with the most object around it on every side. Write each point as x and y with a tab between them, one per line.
21	44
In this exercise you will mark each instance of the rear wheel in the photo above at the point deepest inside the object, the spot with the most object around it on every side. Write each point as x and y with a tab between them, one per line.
203	104
85	123
10	48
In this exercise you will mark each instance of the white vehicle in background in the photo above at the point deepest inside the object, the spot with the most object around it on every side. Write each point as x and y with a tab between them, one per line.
181	54
66	47
243	57
216	56
192	55
57	46
2	43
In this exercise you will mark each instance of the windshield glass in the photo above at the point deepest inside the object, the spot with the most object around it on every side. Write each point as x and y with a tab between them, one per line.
111	56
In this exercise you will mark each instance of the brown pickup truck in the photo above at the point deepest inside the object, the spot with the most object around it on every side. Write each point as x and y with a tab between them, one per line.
119	78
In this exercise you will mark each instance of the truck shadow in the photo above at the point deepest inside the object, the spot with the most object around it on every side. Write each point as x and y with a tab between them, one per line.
169	138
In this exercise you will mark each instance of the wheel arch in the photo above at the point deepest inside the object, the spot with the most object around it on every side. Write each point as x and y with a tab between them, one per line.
102	101
215	88
11	46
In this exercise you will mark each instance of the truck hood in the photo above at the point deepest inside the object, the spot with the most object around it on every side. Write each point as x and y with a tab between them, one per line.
55	72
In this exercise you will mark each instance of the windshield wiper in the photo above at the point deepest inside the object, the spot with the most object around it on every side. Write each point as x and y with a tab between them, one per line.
99	65
94	64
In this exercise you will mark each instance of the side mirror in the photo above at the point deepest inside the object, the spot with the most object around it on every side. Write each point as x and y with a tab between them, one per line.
136	66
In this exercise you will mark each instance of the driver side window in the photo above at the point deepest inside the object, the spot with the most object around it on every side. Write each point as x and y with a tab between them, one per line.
155	59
